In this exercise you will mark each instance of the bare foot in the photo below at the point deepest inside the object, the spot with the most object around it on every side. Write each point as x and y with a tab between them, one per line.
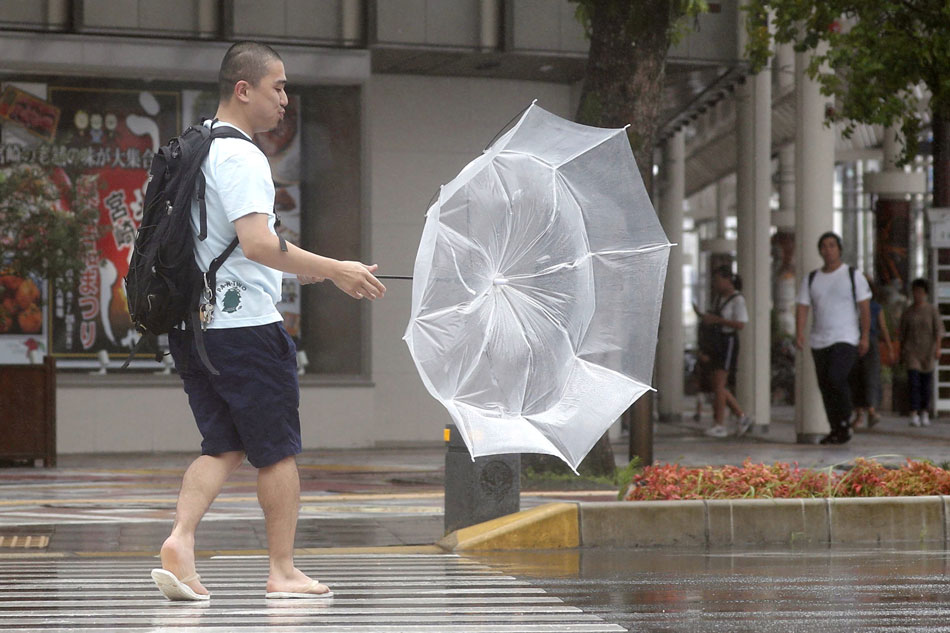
296	582
178	557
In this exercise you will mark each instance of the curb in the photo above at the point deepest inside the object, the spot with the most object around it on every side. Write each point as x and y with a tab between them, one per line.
549	526
713	523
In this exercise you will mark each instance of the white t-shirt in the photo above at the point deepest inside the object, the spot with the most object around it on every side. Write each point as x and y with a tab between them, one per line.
735	310
238	182
835	313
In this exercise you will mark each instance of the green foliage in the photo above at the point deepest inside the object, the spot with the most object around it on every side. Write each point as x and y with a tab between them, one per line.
47	228
871	55
624	477
534	479
681	12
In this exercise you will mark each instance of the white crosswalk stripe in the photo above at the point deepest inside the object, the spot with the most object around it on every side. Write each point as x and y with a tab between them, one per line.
384	593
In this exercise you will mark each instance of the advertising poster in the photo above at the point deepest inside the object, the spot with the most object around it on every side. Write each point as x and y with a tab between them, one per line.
105	137
99	143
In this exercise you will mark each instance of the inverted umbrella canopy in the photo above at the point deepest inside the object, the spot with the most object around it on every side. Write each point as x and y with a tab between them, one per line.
537	289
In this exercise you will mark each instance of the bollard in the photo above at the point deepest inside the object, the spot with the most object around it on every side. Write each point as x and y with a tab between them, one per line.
479	490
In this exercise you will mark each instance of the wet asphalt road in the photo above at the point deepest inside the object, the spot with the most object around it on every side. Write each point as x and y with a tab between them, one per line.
594	591
767	591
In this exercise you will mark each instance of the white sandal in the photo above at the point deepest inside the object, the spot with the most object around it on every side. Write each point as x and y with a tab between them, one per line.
175	589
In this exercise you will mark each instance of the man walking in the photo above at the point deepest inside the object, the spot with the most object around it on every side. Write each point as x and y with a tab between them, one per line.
251	409
840	298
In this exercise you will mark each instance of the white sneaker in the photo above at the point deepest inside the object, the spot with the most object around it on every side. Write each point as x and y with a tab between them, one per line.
743	425
924	418
716	431
914	419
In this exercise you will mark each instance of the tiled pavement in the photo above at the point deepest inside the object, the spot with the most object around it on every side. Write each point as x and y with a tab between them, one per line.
100	520
379	593
125	503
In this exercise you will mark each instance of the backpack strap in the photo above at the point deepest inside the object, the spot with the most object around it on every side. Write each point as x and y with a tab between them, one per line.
854	292
216	263
719	308
200	187
197	329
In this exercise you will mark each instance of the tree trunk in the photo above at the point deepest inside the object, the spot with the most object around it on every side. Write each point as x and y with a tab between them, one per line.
625	72
941	155
624	85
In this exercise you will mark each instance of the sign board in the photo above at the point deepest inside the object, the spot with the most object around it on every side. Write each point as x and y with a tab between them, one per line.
939	218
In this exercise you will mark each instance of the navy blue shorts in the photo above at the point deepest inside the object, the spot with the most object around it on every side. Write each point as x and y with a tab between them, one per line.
253	405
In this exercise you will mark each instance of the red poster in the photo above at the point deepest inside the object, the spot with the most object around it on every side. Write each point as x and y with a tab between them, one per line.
104	145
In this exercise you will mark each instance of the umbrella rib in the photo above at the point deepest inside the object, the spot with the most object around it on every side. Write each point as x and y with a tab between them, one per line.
533	157
473	245
588	149
577	262
507	224
649	248
482	349
527	343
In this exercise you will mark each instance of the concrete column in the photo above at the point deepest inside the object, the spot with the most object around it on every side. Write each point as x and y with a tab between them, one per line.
57	12
814	193
722	209
669	364
208	18
489	13
849	216
352	22
717	250
753	190
783	242
720	249
784	68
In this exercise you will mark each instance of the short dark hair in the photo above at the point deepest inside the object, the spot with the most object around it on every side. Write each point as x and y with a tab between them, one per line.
920	283
828	234
725	271
245	61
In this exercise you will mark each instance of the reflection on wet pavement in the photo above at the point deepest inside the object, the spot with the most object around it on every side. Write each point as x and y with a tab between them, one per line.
764	591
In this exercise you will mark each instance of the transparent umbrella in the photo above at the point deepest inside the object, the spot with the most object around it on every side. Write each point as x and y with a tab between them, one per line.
537	289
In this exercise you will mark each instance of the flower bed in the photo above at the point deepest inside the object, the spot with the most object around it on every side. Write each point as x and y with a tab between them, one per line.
865	478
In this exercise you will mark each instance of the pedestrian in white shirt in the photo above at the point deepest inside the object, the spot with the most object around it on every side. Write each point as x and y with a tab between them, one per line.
840	298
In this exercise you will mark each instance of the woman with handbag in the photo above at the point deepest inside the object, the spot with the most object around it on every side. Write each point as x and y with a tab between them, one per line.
921	331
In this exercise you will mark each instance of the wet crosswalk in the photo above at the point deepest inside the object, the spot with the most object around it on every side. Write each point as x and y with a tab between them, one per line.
373	593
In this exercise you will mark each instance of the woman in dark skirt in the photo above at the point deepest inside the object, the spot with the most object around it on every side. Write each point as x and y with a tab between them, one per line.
728	315
866	375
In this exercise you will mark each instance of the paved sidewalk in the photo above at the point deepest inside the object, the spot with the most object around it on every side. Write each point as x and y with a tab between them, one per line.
356	498
892	441
76	543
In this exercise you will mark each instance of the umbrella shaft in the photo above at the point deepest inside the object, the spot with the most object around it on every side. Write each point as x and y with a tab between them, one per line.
394	276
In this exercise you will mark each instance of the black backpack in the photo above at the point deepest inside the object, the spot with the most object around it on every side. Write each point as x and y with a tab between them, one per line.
164	285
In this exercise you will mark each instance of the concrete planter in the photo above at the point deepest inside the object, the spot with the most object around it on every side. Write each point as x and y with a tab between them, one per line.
718	523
